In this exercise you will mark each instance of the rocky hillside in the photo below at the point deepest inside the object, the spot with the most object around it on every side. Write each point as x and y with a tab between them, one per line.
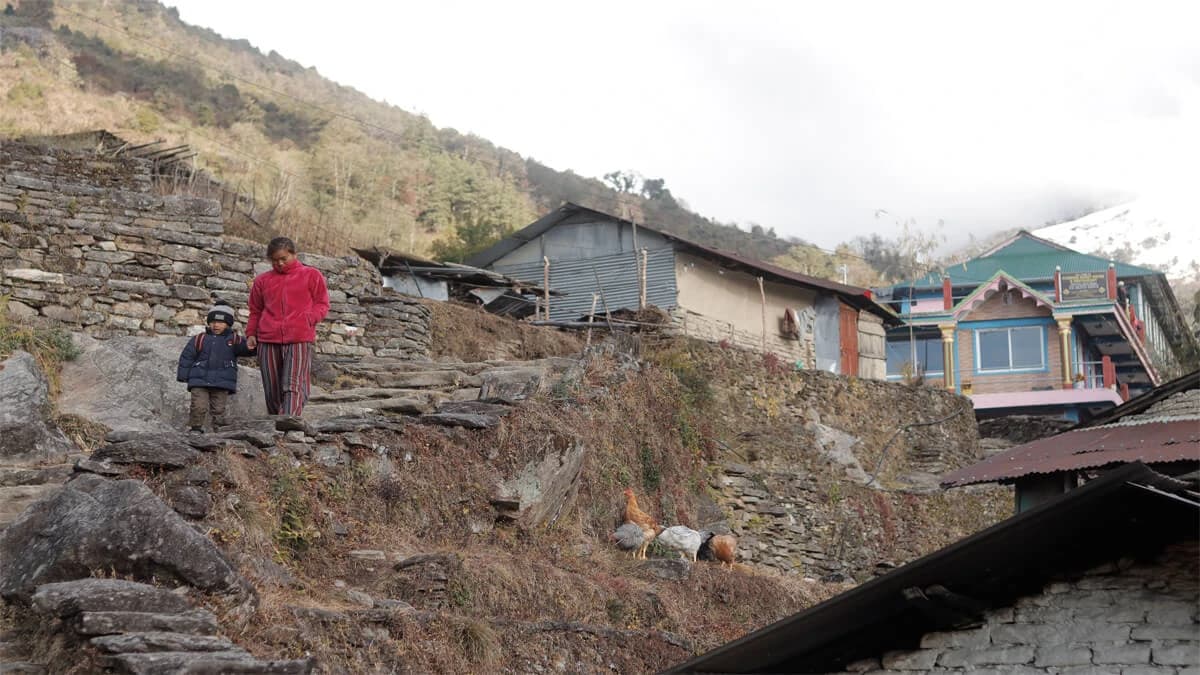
443	536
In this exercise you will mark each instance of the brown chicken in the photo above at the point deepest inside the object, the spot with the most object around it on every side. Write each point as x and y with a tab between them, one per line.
724	548
633	514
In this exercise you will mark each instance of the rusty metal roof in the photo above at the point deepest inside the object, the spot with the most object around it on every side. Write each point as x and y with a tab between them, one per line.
1148	442
1160	426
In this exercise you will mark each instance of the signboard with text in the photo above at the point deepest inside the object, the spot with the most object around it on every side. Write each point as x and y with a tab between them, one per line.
1084	286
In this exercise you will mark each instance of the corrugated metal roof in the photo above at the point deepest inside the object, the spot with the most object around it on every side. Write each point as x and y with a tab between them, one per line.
618	280
857	297
1171	441
1028	258
1131	509
1162	425
392	263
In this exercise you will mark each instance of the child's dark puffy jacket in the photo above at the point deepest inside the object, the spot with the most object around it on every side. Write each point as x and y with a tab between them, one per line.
210	360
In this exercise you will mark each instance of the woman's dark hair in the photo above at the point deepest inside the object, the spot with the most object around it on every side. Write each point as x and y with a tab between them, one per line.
280	244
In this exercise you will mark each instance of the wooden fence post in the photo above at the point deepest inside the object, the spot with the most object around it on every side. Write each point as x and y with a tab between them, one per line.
546	285
763	295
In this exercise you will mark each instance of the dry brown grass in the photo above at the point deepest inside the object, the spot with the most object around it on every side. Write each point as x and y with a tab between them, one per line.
470	333
504	599
514	600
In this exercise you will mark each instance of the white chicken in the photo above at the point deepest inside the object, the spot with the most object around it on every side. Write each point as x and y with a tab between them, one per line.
683	539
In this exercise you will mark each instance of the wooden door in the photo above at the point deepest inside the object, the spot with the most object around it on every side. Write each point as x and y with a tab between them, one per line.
848	338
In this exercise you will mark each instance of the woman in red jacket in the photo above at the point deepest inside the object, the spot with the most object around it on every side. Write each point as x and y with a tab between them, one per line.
286	304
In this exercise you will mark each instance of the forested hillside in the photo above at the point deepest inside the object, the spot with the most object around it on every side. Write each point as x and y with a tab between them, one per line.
314	155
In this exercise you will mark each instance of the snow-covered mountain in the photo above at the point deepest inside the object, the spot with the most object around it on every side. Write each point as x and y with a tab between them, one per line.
1155	235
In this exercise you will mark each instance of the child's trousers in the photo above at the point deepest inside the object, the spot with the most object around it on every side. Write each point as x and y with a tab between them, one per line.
205	400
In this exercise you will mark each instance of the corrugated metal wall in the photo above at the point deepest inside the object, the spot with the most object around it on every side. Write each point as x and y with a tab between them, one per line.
827	335
618	278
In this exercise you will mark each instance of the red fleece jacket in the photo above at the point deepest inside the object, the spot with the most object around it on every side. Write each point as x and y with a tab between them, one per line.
285	307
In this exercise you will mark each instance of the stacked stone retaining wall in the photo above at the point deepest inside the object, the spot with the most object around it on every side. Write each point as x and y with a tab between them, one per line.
1120	619
86	242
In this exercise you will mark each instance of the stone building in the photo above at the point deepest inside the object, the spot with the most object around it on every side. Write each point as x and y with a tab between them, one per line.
1101	580
711	294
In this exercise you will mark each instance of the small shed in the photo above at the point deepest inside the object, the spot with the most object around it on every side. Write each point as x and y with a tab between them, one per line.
424	278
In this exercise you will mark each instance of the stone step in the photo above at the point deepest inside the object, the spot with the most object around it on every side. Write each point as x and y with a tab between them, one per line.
194	622
226	663
21	668
395	406
367	393
13	650
12	476
368	367
162	641
426	379
15	499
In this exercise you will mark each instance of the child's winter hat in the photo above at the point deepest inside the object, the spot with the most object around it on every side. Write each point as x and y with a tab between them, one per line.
221	311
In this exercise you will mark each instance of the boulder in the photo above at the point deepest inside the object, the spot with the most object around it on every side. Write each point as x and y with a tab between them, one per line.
671	569
25	434
190	500
838	447
542	489
118	525
511	384
128	383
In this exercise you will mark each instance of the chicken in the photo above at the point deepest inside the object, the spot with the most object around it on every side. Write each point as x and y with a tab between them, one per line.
633	514
627	537
724	548
683	539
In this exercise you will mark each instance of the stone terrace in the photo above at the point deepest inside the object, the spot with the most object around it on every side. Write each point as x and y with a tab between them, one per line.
86	242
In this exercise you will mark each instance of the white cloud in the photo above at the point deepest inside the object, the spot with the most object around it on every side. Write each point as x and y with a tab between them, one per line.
800	116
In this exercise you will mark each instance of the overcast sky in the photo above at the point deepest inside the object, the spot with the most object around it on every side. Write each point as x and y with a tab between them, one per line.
805	117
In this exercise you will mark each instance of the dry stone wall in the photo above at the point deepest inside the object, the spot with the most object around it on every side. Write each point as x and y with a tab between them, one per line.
1120	619
811	492
85	241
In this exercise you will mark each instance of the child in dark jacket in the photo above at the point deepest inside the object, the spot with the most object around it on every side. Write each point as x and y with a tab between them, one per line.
208	365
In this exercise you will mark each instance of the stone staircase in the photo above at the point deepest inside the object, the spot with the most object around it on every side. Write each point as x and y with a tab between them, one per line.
128	627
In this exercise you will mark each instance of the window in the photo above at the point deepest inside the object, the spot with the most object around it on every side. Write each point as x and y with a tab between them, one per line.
928	354
1004	349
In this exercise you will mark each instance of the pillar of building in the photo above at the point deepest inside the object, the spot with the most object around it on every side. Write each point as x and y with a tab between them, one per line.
947	355
1064	345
